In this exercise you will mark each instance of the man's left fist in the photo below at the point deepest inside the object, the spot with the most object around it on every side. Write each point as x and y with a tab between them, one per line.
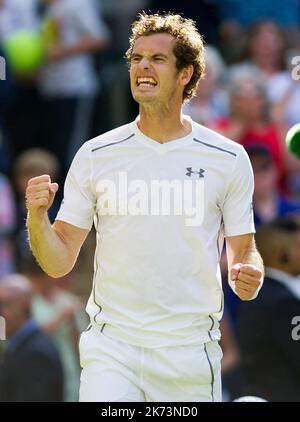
247	280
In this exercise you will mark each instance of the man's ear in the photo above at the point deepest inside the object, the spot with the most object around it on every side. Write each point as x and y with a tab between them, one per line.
186	74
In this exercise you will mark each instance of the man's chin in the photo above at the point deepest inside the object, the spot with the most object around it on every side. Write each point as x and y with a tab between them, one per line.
146	98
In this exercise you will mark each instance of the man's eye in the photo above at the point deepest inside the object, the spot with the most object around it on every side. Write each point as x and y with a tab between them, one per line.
135	59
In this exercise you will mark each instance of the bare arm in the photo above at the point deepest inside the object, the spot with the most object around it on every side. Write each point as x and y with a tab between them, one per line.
245	265
56	246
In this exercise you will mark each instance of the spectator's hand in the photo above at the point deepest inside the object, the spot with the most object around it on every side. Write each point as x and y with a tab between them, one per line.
40	194
247	279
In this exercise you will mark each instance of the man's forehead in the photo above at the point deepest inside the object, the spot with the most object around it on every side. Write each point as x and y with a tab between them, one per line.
154	43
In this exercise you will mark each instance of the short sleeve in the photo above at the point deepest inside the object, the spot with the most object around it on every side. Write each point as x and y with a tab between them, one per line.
79	203
237	206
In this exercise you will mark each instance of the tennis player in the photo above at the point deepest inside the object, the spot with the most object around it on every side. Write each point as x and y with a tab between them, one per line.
162	192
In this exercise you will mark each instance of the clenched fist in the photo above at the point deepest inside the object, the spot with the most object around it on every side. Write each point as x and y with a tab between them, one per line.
40	193
247	280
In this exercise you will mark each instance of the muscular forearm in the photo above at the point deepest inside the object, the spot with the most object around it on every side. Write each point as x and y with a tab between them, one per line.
246	269
48	247
251	256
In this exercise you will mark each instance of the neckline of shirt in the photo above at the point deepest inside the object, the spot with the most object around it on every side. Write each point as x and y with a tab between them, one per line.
166	146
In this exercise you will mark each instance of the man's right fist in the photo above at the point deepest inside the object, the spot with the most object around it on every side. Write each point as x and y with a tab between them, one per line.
40	193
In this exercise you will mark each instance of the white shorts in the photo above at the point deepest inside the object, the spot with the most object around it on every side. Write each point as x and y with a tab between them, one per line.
114	371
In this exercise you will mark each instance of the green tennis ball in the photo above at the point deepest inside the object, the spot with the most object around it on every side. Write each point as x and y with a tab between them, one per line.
293	140
24	51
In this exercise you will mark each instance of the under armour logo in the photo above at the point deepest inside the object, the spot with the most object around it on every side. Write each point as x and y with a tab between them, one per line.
190	171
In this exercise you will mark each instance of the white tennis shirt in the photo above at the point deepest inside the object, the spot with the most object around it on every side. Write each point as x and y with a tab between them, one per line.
161	212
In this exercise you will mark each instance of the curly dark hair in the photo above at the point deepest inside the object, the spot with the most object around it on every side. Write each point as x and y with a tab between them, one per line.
188	49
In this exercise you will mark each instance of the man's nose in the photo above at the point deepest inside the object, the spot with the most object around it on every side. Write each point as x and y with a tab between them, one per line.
144	63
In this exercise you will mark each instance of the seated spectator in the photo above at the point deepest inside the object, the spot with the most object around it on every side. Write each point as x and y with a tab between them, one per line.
268	202
266	57
31	370
59	314
269	353
31	163
249	121
7	227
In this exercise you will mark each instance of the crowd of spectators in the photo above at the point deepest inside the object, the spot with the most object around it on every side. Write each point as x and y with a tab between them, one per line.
250	94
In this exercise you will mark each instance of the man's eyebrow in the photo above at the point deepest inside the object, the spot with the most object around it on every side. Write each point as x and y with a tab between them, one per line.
160	55
152	55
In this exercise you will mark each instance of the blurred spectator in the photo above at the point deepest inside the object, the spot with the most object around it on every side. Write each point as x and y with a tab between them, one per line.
211	101
238	15
268	202
7	227
284	98
270	354
266	57
31	163
249	122
60	314
31	370
73	30
263	53
22	111
17	14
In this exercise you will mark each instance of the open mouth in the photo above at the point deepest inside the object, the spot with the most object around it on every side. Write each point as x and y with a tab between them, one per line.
146	82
